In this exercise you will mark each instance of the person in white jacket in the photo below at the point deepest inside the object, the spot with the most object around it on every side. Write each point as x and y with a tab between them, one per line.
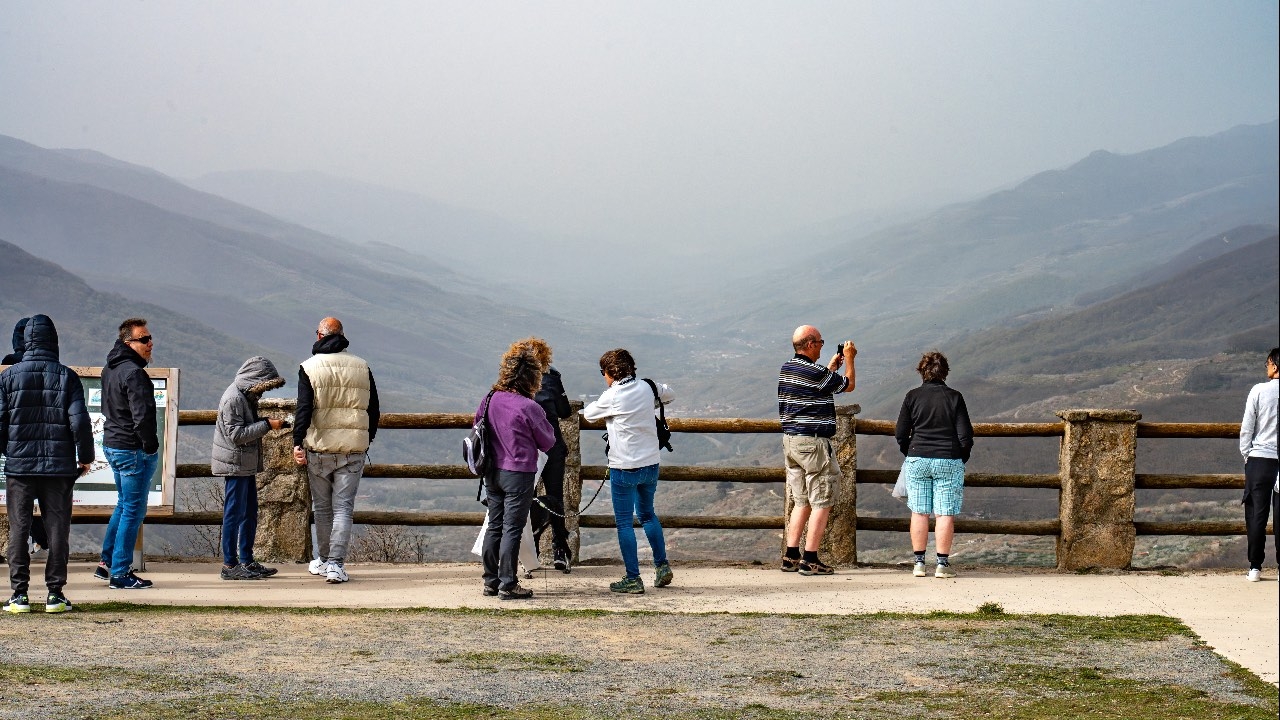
627	408
1258	446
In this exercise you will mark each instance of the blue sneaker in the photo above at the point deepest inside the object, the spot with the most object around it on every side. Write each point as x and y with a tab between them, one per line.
128	582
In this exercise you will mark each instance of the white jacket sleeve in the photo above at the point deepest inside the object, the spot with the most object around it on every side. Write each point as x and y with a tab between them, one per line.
1249	424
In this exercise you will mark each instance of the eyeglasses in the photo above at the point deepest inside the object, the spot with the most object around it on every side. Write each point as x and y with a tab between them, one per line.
145	340
819	341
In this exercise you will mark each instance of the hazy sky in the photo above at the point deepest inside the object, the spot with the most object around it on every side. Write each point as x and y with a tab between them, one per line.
688	121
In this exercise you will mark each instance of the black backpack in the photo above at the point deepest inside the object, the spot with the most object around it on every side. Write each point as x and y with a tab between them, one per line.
475	446
664	432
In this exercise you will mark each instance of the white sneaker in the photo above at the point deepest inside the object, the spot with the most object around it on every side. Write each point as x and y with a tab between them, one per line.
1254	576
944	571
919	570
318	566
336	574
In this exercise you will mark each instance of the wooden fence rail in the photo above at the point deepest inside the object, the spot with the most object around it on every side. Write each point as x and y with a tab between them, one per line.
1096	469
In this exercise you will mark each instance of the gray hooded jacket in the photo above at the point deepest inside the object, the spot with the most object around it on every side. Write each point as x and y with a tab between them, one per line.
237	437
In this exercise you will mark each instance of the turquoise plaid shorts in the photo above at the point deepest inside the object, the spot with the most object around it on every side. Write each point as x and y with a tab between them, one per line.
935	486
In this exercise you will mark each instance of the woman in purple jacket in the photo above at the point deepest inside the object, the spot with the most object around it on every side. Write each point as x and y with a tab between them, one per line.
518	429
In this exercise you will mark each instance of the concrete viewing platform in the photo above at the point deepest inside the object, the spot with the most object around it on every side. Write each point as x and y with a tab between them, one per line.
1240	620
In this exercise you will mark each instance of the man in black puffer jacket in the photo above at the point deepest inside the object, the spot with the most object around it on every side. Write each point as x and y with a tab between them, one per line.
47	440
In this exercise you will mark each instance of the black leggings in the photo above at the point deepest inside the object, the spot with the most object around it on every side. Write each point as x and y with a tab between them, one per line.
1259	479
553	482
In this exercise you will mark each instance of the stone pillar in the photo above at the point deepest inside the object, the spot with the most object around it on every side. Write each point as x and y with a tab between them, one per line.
1096	464
4	533
284	495
570	428
840	545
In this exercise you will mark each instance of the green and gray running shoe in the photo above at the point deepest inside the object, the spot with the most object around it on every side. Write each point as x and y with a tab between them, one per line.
630	586
663	576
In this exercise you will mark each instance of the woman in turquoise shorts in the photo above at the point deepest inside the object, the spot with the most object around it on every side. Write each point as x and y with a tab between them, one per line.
935	434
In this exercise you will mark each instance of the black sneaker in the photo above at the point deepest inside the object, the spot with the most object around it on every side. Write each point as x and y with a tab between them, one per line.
239	572
19	603
490	591
562	561
102	572
57	603
516	593
261	569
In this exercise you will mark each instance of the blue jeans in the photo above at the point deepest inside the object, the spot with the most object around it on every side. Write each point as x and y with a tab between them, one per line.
239	519
133	470
632	492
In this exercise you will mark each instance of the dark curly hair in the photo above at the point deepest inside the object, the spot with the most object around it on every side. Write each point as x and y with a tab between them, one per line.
520	370
933	367
618	364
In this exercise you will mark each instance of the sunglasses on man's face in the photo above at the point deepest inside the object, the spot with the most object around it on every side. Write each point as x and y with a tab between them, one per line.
145	340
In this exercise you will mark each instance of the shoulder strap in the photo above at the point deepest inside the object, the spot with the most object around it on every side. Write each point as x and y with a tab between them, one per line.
484	414
662	413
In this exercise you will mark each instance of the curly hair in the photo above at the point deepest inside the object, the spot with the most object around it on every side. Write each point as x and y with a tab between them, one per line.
520	370
618	364
933	367
540	349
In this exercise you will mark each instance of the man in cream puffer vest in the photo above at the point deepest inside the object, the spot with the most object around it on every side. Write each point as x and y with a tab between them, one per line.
337	418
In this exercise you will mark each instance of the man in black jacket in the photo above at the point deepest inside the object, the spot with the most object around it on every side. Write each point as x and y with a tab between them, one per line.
131	445
48	442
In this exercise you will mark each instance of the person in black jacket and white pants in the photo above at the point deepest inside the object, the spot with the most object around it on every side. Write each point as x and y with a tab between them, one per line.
935	434
47	440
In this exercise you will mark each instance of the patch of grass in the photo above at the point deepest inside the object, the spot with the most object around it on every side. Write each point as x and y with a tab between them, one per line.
1118	628
990	609
13	675
1090	692
495	661
229	708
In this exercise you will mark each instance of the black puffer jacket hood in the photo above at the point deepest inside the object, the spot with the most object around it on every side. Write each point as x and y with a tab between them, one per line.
40	339
44	425
19	343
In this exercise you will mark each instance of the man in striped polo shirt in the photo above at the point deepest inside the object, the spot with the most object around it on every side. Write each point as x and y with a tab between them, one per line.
807	409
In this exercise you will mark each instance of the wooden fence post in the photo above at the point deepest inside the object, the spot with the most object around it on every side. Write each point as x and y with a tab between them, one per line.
840	544
1096	464
284	494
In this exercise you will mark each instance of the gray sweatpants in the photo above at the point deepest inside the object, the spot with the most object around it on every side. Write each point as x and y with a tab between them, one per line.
335	479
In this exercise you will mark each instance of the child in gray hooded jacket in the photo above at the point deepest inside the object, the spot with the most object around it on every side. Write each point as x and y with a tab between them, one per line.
237	456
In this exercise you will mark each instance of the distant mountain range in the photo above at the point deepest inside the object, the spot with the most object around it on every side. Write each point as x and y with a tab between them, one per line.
1055	243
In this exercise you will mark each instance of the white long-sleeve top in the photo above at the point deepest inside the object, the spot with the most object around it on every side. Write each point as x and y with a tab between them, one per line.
1258	428
627	408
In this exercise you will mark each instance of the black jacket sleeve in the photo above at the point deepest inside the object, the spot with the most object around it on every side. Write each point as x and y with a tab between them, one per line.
302	416
902	432
78	420
142	406
964	428
375	410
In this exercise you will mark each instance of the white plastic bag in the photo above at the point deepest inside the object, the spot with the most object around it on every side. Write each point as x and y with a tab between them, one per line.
900	487
528	552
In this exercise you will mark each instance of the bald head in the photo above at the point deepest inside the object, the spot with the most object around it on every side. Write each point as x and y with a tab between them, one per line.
330	326
807	341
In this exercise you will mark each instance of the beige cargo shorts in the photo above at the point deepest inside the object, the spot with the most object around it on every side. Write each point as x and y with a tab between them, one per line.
813	475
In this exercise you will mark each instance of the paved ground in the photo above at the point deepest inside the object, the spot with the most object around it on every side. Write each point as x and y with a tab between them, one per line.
1240	620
